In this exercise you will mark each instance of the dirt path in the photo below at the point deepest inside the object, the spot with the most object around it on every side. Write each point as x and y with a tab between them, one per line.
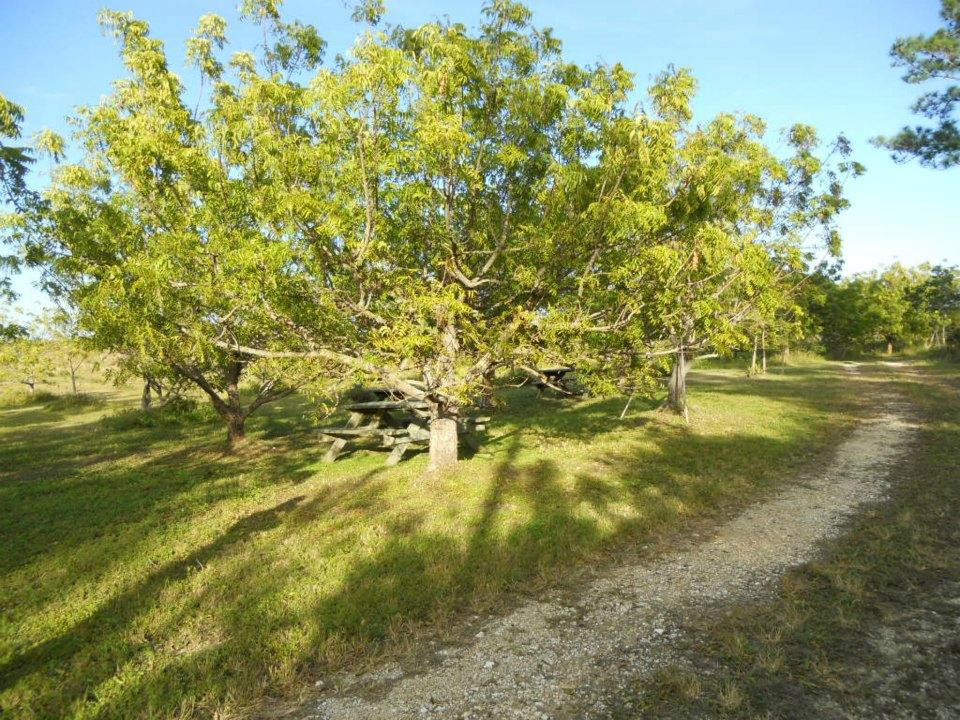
564	657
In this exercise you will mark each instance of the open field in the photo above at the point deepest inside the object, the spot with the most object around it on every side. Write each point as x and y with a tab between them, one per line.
146	573
371	364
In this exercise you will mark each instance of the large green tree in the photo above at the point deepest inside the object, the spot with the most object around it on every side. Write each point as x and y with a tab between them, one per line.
162	236
937	297
15	160
432	242
700	235
932	59
439	202
894	308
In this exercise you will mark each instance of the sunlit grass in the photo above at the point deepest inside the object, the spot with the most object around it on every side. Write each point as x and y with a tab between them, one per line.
147	573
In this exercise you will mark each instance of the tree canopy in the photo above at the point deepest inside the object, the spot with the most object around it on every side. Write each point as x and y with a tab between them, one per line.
439	203
931	59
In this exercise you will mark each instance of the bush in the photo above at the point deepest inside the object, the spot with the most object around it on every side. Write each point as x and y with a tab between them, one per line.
19	397
179	411
67	402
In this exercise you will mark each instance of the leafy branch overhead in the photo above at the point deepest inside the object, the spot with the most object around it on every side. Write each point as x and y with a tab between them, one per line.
933	60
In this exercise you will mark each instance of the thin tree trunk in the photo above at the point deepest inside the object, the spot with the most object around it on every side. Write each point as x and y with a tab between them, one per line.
677	386
753	361
231	409
786	354
889	347
145	400
234	415
763	346
73	379
31	384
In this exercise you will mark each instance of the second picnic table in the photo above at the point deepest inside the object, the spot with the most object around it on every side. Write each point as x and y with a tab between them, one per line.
557	378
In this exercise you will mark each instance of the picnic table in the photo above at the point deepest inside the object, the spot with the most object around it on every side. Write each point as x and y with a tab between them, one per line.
557	378
397	422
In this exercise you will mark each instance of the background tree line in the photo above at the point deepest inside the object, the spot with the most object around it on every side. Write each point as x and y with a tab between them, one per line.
885	310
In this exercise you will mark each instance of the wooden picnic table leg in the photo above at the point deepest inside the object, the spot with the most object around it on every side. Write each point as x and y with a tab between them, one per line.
396	455
338	444
335	449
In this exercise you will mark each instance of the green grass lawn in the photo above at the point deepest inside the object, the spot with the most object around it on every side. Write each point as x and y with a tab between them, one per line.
145	573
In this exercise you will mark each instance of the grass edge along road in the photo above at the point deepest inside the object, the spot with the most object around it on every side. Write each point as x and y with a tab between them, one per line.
814	650
151	575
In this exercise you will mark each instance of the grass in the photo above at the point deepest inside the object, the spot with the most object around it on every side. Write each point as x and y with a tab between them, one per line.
805	649
147	574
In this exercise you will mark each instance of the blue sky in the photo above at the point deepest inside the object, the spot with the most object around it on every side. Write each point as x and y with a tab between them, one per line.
822	62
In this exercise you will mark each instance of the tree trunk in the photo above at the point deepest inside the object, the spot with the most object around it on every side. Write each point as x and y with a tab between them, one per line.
753	361
786	354
233	413
763	347
677	387
145	400
443	443
73	380
443	420
236	427
889	347
31	384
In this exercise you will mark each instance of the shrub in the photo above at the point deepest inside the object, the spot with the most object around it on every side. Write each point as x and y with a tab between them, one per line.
179	411
67	402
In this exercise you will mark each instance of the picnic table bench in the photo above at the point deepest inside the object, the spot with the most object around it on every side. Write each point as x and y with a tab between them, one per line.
400	424
557	377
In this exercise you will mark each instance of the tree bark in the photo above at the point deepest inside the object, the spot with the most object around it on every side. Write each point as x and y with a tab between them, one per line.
443	420
677	386
236	427
73	380
31	384
753	361
889	347
145	399
443	443
763	348
233	412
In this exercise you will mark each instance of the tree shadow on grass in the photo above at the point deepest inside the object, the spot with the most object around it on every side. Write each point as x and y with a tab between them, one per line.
419	574
75	645
100	498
